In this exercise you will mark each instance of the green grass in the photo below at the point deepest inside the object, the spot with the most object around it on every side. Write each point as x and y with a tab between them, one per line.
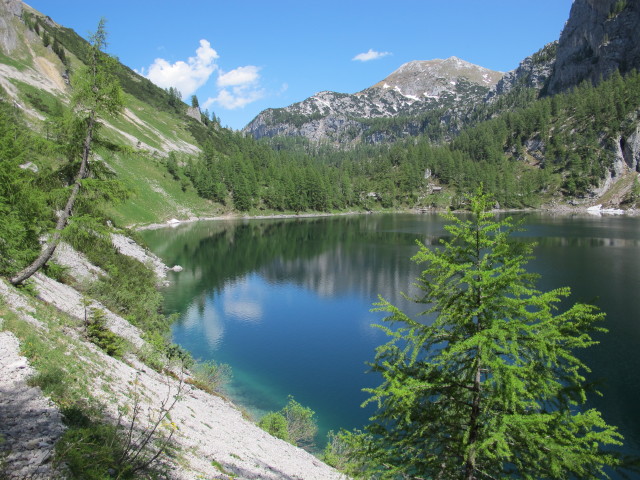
13	62
56	356
156	196
222	470
170	126
153	127
41	100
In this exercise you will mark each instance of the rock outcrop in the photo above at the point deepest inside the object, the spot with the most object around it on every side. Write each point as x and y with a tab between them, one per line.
533	72
8	35
194	112
601	36
630	149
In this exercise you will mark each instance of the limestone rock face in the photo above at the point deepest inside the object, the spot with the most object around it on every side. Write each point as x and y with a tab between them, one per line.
533	72
631	149
194	112
599	37
8	38
14	7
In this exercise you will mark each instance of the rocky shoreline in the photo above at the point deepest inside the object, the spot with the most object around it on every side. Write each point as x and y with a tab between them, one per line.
213	438
558	209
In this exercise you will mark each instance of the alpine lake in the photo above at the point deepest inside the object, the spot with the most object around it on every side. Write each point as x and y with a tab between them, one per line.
288	302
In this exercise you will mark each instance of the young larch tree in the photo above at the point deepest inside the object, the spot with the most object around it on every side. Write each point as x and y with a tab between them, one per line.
96	92
488	385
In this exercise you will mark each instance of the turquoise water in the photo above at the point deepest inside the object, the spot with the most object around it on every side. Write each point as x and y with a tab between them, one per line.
287	302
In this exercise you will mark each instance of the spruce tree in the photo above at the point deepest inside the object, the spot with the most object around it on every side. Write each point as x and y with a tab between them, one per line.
487	384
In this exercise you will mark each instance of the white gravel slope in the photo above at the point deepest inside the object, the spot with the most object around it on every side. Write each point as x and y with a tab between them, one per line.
30	423
208	429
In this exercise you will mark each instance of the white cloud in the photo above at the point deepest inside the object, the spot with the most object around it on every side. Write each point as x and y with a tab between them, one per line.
236	97
187	76
370	55
245	311
239	76
241	87
235	88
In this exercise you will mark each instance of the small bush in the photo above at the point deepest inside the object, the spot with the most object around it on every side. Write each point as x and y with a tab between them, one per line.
52	381
100	335
93	452
275	424
618	7
161	353
299	421
56	271
348	452
93	449
28	288
221	468
335	452
211	376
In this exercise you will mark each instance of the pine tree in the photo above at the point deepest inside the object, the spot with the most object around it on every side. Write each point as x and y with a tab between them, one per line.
488	384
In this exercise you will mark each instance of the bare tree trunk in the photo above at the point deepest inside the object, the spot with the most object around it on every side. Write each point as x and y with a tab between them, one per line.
470	467
46	254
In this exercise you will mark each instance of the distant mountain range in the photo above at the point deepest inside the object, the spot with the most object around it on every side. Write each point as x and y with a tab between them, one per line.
415	88
599	38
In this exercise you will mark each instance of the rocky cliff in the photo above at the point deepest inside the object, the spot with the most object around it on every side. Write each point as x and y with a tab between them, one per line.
599	37
533	72
8	34
415	88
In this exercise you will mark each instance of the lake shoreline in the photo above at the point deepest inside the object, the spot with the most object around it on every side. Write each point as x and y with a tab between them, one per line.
554	209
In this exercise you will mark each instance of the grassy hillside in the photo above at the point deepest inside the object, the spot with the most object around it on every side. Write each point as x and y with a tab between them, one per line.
37	77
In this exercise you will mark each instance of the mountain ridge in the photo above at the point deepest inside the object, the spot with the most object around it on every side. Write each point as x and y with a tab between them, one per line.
415	88
598	39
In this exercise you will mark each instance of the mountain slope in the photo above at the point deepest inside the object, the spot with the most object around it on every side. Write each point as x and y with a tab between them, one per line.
38	52
533	72
38	59
415	88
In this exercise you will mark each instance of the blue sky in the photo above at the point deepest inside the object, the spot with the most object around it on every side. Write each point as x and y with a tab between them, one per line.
240	57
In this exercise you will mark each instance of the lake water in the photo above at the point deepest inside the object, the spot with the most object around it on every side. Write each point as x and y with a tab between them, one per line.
286	302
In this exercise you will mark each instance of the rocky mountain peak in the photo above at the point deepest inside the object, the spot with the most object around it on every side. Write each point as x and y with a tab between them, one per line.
413	89
430	78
